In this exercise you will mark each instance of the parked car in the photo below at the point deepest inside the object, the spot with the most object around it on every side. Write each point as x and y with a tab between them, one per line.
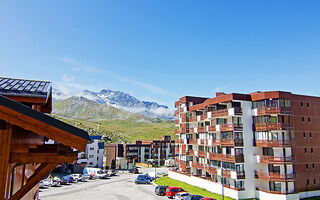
41	184
141	180
182	195
45	183
111	172
134	170
69	179
194	197
160	190
146	176
207	198
55	182
94	172
77	177
172	191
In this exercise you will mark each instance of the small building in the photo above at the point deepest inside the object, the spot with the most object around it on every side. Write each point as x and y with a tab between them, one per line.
93	155
24	129
141	151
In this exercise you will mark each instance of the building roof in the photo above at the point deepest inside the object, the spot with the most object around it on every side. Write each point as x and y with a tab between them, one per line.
21	111
101	145
22	87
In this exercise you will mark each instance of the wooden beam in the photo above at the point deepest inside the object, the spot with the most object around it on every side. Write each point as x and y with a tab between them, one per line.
5	144
42	171
41	128
42	158
33	100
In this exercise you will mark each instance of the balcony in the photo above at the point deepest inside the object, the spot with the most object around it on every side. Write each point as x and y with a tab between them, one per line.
201	129
190	152
211	128
227	142
211	170
274	111
178	141
218	113
227	158
273	143
176	121
230	127
176	113
198	165
202	154
192	141
276	192
275	159
272	176
203	117
272	126
193	119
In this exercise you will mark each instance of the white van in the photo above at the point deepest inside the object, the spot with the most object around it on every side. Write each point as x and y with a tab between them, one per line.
94	172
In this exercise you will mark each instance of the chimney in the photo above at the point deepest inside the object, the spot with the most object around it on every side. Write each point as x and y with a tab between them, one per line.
218	94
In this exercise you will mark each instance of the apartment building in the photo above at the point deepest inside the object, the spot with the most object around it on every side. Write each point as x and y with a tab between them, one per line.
262	145
144	151
93	155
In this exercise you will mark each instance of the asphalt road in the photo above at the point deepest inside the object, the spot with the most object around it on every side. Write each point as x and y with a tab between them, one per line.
120	187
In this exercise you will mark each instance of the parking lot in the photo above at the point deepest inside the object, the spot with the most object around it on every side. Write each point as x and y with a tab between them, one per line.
119	187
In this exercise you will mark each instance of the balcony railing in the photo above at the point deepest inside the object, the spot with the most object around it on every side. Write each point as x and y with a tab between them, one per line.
211	128
275	159
274	110
202	154
176	112
198	165
192	141
230	127
272	176
201	129
227	158
178	141
273	143
176	121
190	152
272	126
219	113
276	192
193	119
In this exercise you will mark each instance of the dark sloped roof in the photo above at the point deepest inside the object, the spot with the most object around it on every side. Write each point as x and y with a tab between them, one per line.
22	87
25	110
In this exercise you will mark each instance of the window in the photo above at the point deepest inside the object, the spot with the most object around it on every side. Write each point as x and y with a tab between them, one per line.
303	119
310	134
311	150
308	105
305	150
301	104
307	167
304	134
313	165
90	156
91	148
309	119
308	183
314	181
91	163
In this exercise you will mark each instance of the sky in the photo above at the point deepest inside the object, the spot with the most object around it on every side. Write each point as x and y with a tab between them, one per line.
161	50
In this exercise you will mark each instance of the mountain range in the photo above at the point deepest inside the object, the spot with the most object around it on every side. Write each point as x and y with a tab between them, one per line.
117	99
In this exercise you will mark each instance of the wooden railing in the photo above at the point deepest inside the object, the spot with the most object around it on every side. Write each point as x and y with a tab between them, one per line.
192	141
202	154
274	110
273	143
275	159
179	141
230	127
190	152
211	128
272	126
219	113
201	129
271	176
276	192
193	119
176	121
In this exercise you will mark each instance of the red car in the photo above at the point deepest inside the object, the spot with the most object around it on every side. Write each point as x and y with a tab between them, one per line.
172	191
207	198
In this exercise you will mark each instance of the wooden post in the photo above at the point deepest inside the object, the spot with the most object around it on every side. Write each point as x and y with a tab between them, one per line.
5	145
43	170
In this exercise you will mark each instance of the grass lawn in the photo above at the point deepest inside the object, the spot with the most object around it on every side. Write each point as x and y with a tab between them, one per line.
191	189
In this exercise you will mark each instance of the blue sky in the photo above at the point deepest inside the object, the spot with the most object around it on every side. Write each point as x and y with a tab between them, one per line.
162	50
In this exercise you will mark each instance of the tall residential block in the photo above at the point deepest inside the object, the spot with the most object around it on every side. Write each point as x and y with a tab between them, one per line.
262	145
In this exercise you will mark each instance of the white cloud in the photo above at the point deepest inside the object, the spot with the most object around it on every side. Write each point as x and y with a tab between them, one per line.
89	68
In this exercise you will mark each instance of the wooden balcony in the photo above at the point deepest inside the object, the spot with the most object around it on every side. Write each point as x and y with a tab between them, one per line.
202	141
219	113
226	158
192	141
193	119
275	159
190	152
274	111
273	143
198	165
276	192
271	176
203	117
211	128
178	141
273	126
202	154
227	142
176	113
211	170
176	121
201	129
231	127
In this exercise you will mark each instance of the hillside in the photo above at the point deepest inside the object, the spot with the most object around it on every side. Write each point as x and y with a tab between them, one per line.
83	108
115	125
